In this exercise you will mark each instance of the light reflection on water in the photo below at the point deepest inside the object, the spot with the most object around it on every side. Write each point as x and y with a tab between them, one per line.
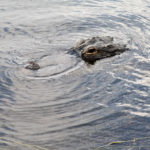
67	104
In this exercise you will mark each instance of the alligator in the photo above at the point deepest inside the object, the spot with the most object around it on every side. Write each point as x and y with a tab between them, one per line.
96	48
91	50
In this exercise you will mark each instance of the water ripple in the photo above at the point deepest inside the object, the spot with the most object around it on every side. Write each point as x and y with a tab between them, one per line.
67	104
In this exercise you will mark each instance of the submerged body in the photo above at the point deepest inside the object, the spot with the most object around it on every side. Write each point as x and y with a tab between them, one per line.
97	48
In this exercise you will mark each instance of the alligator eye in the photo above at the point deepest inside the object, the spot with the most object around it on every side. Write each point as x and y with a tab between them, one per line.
91	50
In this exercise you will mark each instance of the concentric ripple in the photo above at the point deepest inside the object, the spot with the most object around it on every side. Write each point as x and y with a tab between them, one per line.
51	65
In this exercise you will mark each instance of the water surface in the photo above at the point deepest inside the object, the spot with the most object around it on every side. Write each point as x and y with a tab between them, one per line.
67	104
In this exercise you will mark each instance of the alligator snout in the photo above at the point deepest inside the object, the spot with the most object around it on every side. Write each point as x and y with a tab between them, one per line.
32	65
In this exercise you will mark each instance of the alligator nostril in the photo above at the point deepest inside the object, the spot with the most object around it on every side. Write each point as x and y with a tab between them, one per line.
32	65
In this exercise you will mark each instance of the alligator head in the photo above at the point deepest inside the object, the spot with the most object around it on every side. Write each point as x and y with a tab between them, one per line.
97	48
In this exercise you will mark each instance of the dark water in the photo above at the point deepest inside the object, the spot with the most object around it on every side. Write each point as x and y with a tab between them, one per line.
68	105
